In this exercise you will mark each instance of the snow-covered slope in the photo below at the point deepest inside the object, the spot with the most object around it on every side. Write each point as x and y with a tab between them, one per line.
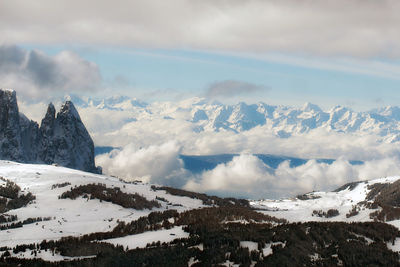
231	234
352	201
283	121
73	217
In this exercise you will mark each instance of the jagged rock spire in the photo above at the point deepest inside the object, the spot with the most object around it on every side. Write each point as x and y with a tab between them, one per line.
10	132
73	145
47	125
61	139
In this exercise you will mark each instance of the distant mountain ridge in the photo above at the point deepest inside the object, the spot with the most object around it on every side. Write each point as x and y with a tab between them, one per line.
60	139
283	121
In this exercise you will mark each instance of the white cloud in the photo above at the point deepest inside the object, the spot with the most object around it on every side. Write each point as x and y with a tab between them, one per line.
103	121
238	176
248	176
345	27
245	176
34	74
155	164
318	143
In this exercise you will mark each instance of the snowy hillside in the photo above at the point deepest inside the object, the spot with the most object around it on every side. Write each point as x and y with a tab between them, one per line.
354	202
53	214
72	217
283	121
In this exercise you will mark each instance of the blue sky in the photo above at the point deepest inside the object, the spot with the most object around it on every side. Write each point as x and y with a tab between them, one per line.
156	75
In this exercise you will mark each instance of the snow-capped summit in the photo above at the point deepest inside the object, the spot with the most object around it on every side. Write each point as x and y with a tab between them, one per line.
308	107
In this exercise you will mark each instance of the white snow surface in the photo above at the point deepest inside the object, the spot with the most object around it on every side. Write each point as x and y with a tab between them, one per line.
394	246
82	216
296	210
267	250
249	244
72	217
141	240
46	255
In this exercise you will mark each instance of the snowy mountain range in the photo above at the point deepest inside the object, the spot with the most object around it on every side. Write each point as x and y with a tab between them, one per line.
283	121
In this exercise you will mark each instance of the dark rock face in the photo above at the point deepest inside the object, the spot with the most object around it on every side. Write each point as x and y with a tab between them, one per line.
61	139
30	138
71	143
10	130
47	149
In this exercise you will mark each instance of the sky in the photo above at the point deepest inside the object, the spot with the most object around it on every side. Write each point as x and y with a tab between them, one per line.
280	52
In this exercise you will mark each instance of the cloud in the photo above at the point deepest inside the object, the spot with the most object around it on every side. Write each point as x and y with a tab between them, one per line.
345	27
153	164
231	88
237	176
316	144
247	176
33	73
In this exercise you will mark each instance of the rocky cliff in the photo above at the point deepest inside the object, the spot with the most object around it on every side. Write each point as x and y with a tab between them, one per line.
61	139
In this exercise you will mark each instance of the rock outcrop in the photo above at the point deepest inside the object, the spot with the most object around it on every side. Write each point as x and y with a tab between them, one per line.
10	130
66	140
61	139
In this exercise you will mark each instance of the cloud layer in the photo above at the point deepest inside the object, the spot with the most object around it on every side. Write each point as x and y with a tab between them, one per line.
346	27
245	176
231	88
248	176
33	73
155	164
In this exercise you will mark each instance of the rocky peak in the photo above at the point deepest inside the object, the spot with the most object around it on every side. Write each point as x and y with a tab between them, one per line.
68	110
47	124
10	138
8	108
63	139
72	145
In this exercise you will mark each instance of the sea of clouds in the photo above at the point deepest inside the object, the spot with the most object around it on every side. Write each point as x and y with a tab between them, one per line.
149	149
153	156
